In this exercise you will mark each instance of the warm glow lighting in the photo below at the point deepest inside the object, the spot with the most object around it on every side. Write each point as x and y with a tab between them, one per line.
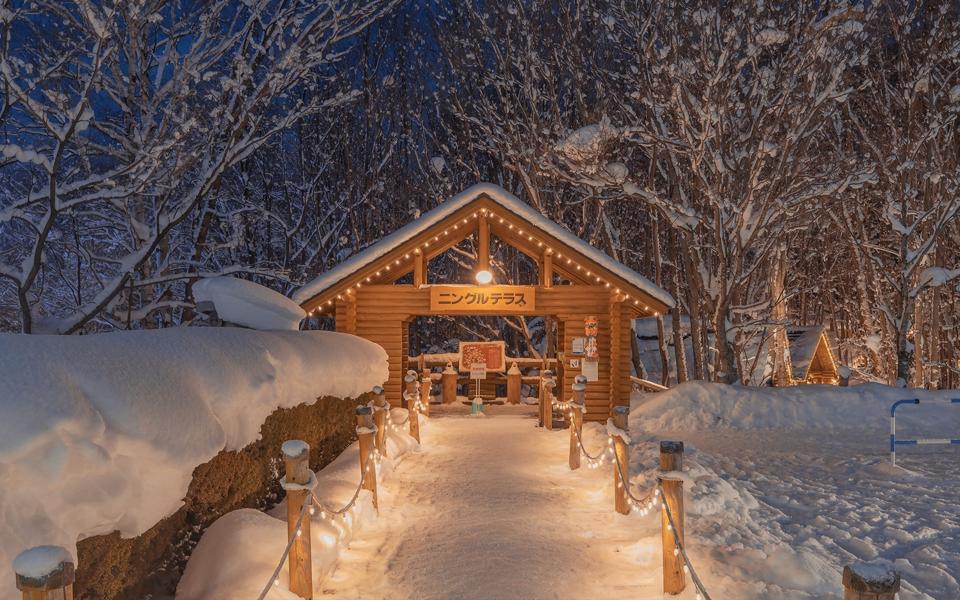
484	276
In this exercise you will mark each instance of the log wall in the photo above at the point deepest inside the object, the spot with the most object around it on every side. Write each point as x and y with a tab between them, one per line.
382	314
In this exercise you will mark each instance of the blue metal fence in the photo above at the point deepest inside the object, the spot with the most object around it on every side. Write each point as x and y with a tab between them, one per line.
894	442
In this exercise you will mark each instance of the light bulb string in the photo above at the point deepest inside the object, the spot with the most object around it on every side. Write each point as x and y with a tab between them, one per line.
353	500
286	551
583	448
679	545
626	483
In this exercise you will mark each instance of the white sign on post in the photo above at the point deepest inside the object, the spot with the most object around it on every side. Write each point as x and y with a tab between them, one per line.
478	370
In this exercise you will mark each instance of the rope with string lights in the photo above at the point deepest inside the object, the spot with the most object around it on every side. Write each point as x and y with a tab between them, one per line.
644	505
682	551
310	504
275	577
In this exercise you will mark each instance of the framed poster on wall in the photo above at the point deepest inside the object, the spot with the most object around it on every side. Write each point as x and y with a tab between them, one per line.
492	354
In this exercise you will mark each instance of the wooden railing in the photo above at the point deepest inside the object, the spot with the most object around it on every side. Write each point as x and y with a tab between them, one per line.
646	385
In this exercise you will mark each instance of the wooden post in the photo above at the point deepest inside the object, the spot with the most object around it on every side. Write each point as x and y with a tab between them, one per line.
296	459
671	459
619	420
546	399
380	408
449	383
55	584
863	581
425	386
551	385
411	394
483	243
577	406
546	270
541	397
419	269
513	384
368	467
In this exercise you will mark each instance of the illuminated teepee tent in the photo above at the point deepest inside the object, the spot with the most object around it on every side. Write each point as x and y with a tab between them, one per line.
811	356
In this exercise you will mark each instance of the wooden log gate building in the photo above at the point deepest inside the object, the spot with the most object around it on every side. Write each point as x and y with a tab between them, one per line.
576	282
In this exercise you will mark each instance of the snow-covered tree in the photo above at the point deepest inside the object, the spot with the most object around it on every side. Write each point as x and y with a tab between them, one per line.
907	122
121	120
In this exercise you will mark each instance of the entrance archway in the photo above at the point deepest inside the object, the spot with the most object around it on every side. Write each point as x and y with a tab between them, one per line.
577	285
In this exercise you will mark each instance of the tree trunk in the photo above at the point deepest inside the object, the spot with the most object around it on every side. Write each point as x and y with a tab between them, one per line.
779	343
726	368
658	279
694	296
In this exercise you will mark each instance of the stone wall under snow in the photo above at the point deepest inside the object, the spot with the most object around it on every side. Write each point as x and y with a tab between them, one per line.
156	433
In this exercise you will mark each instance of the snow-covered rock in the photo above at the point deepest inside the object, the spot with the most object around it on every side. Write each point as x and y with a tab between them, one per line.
249	304
102	432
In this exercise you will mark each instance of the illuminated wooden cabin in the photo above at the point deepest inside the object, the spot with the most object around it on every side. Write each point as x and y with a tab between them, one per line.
575	281
811	356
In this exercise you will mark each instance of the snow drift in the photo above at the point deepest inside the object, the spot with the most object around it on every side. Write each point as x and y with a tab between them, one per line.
698	406
102	432
249	304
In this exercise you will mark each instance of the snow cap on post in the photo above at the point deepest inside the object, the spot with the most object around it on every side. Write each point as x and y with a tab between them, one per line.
669	447
44	568
295	448
878	579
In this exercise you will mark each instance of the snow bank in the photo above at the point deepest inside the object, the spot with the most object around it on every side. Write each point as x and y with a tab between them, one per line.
785	486
238	553
102	432
249	304
698	406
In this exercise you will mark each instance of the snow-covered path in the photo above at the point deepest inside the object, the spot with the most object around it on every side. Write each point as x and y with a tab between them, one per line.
490	510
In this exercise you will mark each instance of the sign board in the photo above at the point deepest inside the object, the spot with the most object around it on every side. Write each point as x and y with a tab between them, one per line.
479	299
478	371
578	345
491	354
591	369
574	363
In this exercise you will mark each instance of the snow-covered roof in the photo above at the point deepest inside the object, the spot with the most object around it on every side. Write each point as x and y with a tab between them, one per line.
451	206
803	348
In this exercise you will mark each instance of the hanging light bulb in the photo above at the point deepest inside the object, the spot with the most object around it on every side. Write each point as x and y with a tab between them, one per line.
484	277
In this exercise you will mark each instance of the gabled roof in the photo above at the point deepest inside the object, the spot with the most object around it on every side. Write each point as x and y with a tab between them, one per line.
805	343
390	247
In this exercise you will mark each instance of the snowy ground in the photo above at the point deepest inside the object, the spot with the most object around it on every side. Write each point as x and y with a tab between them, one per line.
784	488
490	510
793	484
822	501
